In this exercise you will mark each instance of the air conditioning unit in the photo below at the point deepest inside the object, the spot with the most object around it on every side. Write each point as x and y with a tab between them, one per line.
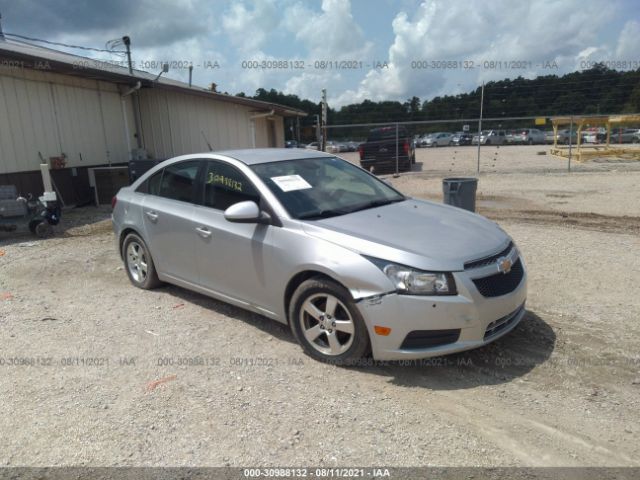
106	181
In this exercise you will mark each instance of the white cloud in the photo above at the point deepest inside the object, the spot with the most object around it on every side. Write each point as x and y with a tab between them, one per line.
331	34
629	41
249	29
533	34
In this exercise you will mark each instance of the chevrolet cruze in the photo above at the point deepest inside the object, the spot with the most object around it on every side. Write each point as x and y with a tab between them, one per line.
352	265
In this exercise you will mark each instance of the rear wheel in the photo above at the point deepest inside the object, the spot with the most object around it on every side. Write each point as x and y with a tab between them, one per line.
33	224
43	229
139	264
327	324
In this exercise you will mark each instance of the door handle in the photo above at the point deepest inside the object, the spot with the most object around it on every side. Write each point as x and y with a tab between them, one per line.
203	232
152	215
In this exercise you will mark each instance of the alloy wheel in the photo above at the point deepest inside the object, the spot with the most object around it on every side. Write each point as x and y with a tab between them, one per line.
137	262
327	324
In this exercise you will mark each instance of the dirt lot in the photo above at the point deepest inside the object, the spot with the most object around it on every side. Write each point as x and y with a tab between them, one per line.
96	372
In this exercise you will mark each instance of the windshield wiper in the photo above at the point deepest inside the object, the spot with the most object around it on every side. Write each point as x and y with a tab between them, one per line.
322	214
375	203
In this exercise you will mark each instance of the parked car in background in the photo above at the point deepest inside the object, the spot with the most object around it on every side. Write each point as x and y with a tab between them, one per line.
421	141
378	153
352	146
348	263
548	137
331	147
490	137
313	146
461	138
636	137
622	135
439	139
594	135
527	136
562	137
291	144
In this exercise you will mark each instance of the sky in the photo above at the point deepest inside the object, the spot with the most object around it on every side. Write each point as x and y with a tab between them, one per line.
355	49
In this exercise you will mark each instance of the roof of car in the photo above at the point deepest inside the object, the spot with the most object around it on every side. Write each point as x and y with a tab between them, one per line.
252	156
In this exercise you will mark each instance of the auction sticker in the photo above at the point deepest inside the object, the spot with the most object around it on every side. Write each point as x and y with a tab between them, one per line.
289	183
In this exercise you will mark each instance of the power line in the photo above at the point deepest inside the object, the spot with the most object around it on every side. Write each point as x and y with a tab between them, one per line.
32	39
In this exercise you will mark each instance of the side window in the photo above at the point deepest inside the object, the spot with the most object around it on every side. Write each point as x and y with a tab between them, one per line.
153	183
178	181
224	185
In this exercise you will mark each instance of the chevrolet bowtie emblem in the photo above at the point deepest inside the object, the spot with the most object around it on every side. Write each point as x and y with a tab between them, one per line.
504	265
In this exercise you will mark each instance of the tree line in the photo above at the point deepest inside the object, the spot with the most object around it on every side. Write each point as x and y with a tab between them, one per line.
599	90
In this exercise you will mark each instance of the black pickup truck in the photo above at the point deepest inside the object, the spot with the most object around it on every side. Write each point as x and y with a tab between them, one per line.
378	153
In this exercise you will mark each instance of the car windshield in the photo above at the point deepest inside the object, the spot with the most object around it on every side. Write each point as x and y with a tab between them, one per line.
315	188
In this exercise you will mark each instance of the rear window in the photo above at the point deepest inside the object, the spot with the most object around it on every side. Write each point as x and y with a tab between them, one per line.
386	133
178	181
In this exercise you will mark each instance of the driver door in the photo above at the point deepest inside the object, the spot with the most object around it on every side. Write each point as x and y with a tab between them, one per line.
232	258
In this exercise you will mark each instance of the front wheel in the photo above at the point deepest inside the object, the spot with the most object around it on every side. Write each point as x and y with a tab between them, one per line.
327	324
139	264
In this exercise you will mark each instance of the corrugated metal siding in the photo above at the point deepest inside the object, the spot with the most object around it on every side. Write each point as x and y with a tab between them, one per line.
174	123
54	114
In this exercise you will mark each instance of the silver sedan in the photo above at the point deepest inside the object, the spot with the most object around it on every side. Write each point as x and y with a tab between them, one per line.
353	266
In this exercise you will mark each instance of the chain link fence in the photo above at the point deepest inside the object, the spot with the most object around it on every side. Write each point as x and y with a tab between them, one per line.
491	145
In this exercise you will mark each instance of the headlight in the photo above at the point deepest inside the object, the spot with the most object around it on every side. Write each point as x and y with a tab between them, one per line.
410	281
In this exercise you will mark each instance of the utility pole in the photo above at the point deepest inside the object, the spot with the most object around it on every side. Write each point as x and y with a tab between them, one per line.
1	34
135	99
318	134
480	123
127	43
323	142
570	143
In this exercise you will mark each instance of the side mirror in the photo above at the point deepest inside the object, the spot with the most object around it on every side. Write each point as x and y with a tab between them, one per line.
246	212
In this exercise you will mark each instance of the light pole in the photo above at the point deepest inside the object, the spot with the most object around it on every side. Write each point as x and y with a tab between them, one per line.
480	124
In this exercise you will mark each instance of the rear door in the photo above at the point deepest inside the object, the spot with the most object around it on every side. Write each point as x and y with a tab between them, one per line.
167	212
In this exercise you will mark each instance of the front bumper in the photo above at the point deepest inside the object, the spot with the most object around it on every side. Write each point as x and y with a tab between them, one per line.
480	320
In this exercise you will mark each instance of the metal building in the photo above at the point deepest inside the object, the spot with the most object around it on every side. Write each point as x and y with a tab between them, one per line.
77	113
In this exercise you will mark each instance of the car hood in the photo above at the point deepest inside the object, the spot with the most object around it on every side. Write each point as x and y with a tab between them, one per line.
421	234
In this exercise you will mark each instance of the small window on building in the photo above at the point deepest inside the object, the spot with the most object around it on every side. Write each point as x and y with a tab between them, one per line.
178	181
224	185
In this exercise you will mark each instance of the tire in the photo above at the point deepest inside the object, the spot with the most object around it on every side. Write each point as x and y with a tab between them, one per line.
136	258
33	224
308	312
43	229
530	142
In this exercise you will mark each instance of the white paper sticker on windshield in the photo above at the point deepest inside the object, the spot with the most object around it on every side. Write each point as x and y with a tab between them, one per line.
288	183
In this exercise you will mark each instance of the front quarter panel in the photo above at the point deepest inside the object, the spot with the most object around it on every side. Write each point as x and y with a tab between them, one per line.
298	252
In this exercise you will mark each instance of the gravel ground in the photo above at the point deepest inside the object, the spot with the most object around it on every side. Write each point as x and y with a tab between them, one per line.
96	372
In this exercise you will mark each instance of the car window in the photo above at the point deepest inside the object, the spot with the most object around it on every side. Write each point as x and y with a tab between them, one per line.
153	183
225	185
179	180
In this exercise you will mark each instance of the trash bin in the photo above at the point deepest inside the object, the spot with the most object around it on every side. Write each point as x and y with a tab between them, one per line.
460	192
